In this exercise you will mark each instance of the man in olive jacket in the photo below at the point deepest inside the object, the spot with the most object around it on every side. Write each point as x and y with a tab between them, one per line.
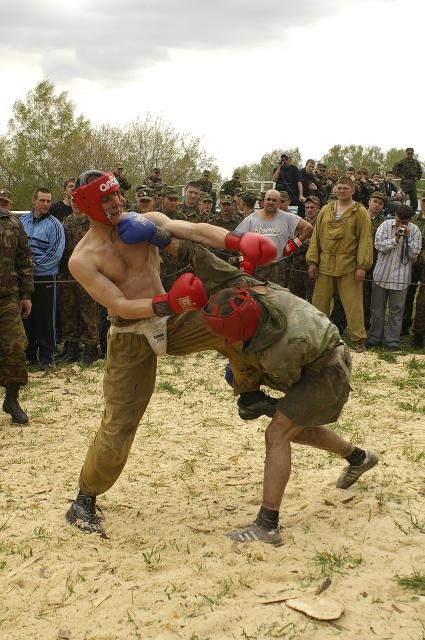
340	253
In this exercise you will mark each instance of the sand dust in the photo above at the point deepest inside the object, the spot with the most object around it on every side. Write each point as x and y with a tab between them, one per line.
166	570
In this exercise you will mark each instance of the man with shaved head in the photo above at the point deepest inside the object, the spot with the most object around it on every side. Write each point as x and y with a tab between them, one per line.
287	230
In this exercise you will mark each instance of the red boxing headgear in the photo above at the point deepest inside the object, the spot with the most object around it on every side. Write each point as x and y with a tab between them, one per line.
89	193
232	313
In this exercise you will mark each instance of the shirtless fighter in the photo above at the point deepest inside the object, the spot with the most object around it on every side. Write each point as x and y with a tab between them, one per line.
145	321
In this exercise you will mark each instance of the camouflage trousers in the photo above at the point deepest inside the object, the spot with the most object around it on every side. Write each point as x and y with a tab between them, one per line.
128	384
79	314
419	321
409	188
299	283
276	272
13	343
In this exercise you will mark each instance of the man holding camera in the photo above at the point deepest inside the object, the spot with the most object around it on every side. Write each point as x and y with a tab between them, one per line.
288	178
398	243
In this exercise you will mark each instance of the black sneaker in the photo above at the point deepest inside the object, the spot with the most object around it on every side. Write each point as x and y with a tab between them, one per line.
256	404
82	514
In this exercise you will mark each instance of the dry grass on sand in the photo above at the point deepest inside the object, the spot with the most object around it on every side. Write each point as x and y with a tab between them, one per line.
166	570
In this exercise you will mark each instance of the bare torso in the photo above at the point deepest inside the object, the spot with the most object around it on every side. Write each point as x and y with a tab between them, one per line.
133	268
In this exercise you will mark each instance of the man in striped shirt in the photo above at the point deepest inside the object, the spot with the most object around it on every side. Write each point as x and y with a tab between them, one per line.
398	243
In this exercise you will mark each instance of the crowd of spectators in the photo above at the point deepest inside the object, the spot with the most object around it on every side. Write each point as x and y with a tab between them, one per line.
348	244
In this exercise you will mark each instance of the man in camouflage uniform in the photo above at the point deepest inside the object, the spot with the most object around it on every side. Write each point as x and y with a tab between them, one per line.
207	187
154	178
190	207
206	205
299	283
171	267
418	328
376	205
226	219
365	187
16	286
410	171
145	199
79	312
228	188
324	185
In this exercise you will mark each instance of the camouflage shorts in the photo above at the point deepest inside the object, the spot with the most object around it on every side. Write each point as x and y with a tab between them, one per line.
318	398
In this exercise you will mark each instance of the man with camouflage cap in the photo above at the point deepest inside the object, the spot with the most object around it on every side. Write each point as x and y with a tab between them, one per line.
376	205
145	199
229	187
170	204
16	286
206	204
207	187
410	171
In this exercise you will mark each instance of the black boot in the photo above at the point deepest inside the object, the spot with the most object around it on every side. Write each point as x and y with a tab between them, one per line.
417	341
73	354
11	404
90	354
82	514
64	352
253	404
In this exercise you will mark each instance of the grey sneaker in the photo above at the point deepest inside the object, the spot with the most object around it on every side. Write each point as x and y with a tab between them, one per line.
351	474
254	533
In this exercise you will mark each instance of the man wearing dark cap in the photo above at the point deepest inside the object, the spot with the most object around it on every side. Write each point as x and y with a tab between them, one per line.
288	178
145	200
16	286
154	178
122	180
376	206
207	187
206	205
301	353
324	185
237	199
170	204
410	171
228	188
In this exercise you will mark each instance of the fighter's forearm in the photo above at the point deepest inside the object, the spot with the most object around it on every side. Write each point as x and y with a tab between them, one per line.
132	309
201	232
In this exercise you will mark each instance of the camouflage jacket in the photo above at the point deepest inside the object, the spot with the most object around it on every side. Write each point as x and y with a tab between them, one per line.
193	214
376	221
75	227
419	221
228	188
408	169
16	265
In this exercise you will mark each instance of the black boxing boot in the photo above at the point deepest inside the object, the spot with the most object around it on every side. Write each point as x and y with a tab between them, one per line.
82	514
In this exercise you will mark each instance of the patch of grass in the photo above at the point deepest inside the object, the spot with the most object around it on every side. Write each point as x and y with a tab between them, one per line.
168	387
412	406
416	581
415	365
363	375
412	453
334	561
387	356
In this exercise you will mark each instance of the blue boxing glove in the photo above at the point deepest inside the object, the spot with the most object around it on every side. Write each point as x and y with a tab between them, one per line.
136	228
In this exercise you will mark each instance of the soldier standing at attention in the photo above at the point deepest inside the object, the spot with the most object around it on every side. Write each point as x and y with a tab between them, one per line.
410	171
16	286
79	312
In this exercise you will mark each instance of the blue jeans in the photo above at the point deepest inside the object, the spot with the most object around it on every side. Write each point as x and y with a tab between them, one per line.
377	331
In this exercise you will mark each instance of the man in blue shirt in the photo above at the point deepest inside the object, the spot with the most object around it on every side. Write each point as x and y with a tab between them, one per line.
47	241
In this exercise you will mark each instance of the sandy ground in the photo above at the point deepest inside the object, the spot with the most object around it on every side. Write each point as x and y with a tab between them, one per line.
166	570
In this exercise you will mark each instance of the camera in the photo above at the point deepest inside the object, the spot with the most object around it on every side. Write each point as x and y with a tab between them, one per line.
401	232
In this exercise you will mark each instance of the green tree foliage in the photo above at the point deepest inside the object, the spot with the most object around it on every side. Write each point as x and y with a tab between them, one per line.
46	142
373	158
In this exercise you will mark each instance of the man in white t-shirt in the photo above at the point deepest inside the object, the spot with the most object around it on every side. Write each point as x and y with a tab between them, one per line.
287	230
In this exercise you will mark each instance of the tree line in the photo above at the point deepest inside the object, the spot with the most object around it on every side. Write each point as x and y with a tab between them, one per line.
46	142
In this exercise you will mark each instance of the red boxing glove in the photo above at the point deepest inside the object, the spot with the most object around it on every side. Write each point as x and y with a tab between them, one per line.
246	266
187	294
291	247
256	248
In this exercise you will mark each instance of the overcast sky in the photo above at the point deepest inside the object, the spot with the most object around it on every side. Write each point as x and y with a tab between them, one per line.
244	76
